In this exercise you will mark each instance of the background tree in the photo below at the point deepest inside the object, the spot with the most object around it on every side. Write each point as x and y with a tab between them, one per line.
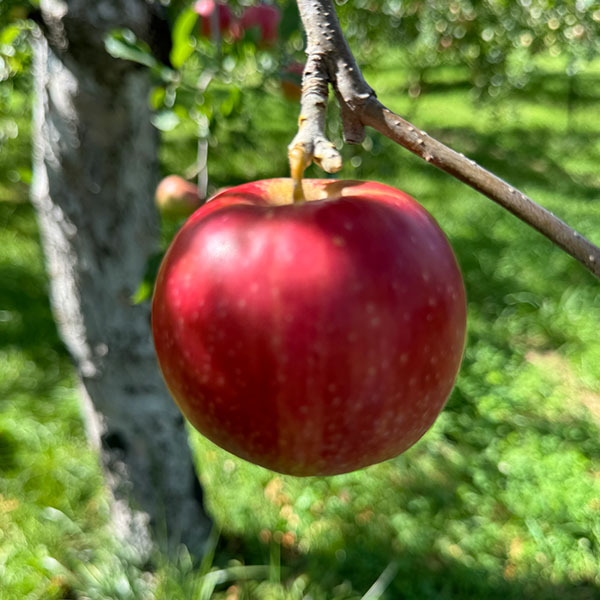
95	170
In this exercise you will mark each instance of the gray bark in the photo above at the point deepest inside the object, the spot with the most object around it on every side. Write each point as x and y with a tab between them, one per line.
95	171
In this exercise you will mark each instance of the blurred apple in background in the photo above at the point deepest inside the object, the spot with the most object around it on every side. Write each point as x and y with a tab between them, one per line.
176	197
204	9
263	17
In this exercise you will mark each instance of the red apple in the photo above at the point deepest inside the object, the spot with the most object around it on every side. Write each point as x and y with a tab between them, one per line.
204	8
312	338
177	197
264	17
291	81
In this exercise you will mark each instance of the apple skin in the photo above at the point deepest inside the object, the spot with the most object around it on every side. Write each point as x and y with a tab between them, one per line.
266	18
313	338
204	9
176	197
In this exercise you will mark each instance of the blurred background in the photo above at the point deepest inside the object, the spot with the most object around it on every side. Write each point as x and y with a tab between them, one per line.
501	499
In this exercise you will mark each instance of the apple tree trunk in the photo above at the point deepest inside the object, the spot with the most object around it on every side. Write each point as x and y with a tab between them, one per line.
95	171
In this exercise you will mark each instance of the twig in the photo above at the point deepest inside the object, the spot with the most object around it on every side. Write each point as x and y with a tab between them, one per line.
200	167
330	61
383	581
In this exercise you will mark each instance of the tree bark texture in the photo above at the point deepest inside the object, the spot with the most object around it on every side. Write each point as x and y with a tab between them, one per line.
95	171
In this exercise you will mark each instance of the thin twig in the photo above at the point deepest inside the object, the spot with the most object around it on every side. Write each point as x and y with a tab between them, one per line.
330	61
383	581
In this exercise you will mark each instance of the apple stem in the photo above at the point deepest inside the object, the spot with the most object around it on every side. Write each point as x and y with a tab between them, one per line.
330	61
299	160
202	167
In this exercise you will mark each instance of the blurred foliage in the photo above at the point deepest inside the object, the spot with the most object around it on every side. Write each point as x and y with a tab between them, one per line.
207	85
15	79
15	50
495	39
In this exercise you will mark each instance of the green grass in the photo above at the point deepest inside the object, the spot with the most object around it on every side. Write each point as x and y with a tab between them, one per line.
500	500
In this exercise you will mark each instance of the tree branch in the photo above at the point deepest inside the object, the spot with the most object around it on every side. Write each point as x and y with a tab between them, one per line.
330	61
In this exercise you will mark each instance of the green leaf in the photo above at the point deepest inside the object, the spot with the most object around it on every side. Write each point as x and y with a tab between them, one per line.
183	42
9	34
25	175
206	110
123	44
157	97
146	286
232	102
290	21
143	292
166	120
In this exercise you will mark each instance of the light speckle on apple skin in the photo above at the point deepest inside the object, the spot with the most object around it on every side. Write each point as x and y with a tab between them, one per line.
264	339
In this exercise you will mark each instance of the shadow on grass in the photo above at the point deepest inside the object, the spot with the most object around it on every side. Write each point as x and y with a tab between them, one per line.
27	322
27	326
431	577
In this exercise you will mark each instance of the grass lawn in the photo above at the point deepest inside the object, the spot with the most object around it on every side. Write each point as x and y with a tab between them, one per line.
501	499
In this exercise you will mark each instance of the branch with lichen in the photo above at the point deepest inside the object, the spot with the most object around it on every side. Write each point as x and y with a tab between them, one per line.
330	62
